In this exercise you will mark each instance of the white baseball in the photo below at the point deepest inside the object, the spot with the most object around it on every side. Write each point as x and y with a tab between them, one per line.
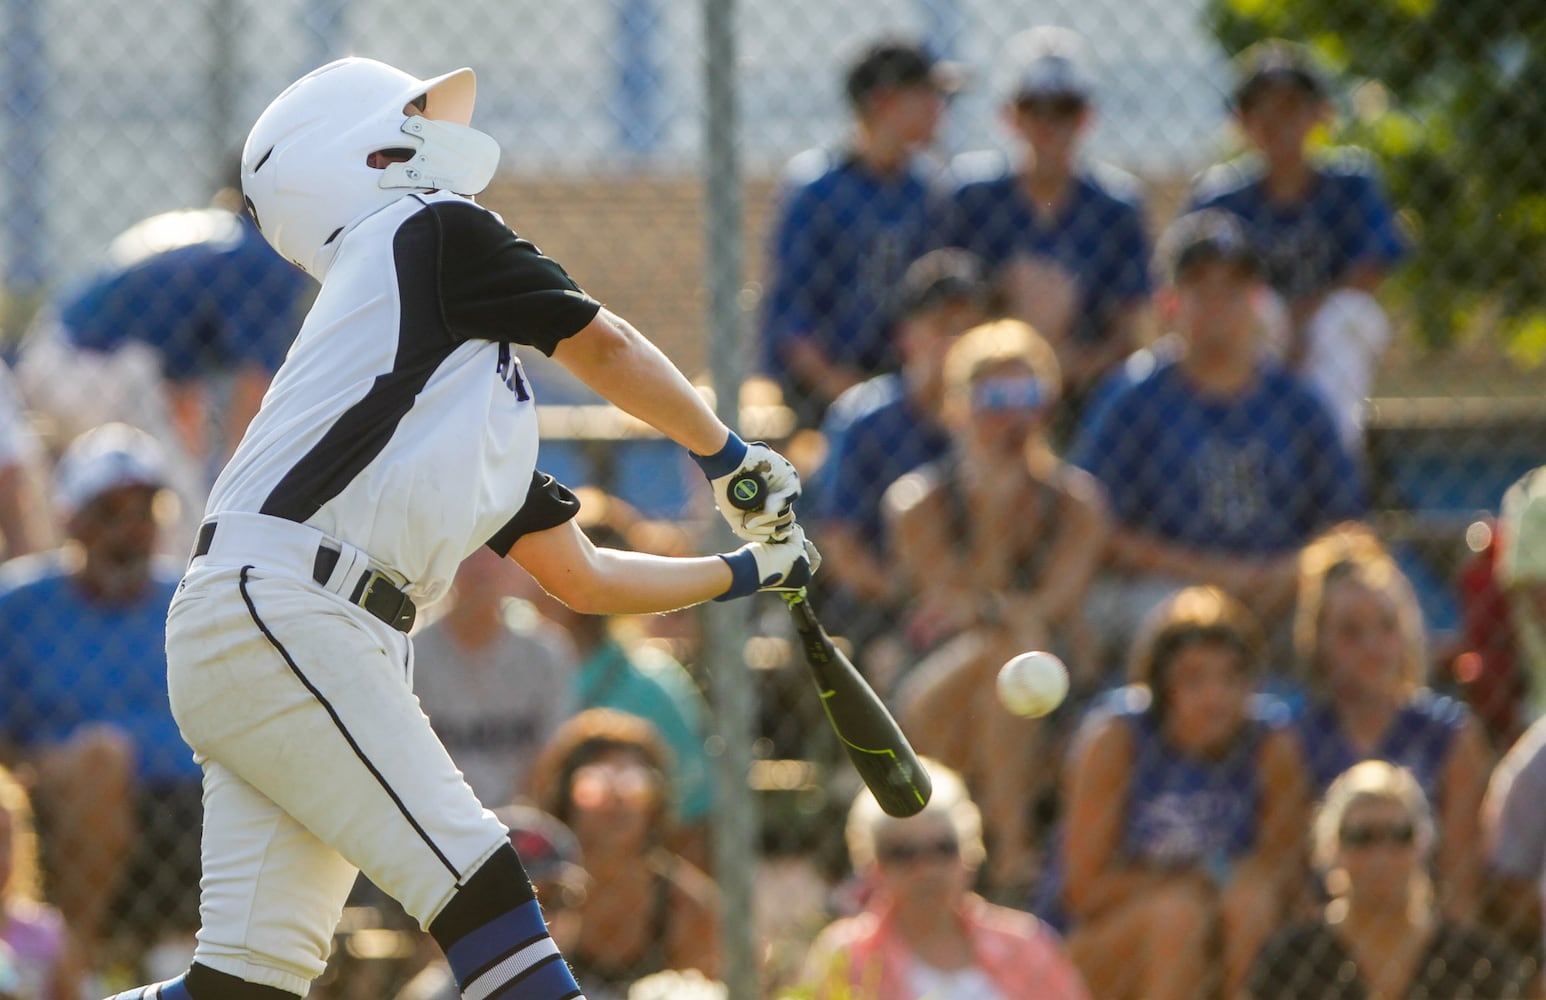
1032	684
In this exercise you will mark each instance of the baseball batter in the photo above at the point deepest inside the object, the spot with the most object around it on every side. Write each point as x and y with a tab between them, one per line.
398	436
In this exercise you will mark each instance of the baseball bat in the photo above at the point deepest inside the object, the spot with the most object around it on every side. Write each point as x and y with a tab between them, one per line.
871	737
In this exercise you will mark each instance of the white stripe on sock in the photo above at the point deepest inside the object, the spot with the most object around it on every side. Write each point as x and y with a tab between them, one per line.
485	985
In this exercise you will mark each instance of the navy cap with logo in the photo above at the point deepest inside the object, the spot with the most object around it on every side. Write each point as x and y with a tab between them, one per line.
899	63
1211	234
1272	63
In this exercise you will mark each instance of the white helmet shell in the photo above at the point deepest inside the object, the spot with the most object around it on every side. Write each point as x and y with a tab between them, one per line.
304	170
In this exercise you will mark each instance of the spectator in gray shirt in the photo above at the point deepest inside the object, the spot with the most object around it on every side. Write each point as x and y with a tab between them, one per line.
1514	831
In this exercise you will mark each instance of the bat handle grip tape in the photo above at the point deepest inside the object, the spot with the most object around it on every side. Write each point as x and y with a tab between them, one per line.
747	491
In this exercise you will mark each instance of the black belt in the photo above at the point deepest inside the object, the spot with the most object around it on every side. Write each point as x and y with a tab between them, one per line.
374	591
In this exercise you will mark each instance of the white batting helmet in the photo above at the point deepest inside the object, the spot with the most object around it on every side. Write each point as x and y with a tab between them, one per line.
304	170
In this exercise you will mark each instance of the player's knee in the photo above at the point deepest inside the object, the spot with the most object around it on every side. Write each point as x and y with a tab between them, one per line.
497	887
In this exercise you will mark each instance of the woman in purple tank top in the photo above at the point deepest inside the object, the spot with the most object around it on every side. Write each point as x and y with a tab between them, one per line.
45	960
1360	634
1185	812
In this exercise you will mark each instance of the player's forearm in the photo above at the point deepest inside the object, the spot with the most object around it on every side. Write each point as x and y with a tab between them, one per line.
630	372
637	583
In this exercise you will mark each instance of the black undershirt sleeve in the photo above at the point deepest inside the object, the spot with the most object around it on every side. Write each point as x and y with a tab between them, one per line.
549	503
496	286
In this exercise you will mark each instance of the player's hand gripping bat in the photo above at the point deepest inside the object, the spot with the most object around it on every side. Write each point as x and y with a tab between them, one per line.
875	744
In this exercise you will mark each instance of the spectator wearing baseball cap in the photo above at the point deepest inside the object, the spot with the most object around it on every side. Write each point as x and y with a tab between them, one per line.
1063	239
1321	221
848	221
1220	465
83	698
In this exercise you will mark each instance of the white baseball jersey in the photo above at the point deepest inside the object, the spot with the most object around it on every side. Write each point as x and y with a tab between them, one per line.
401	421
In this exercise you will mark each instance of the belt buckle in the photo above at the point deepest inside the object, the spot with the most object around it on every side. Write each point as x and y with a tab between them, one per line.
398	607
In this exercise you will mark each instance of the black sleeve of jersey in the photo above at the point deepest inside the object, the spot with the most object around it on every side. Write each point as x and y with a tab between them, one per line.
496	286
548	504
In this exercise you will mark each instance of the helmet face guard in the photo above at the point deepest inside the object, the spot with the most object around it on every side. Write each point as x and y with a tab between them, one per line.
305	170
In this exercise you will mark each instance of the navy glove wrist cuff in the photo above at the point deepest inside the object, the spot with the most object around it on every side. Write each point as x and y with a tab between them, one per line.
724	461
743	575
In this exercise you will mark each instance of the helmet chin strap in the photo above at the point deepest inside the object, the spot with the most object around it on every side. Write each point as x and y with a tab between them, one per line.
450	157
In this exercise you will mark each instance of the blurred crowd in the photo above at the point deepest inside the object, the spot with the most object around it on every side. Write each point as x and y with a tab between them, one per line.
1029	415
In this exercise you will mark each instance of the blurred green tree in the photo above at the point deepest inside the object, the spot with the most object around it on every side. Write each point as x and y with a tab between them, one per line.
1450	95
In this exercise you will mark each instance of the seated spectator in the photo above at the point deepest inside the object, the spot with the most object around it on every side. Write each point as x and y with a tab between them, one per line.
1064	241
1360	635
923	932
616	671
1514	839
880	430
42	950
847	224
495	685
1326	233
1521	572
997	542
83	701
1219	465
1186	808
1382	934
605	774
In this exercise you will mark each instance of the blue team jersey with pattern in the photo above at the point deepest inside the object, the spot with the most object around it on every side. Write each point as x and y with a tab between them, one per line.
875	436
1310	243
67	661
1255	474
1419	739
203	288
842	240
1097	235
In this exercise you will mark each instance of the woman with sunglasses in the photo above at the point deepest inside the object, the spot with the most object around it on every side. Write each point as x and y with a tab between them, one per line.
604	775
1186	806
1381	934
998	541
923	932
1360	634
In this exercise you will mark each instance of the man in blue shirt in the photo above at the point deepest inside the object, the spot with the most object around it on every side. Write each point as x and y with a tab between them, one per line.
1064	242
848	224
1220	464
882	429
1322	225
83	699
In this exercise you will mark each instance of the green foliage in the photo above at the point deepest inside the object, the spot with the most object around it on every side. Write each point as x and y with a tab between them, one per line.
1448	94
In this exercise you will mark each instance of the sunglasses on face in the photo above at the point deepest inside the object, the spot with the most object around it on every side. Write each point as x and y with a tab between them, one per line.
1059	107
1398	835
992	395
902	852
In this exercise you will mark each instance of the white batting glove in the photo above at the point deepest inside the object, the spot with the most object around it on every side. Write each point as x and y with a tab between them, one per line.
775	518
784	565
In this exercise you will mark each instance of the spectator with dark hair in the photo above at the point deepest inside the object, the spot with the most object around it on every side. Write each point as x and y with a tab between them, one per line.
606	775
494	683
1220	465
923	932
1382	934
882	429
1186	808
1326	232
41	947
1063	240
83	700
998	542
1360	635
848	223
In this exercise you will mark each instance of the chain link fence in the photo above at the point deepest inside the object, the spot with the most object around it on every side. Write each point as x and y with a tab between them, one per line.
1204	363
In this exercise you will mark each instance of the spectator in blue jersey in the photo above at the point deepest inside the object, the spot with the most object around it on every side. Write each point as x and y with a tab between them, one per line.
882	429
1322	223
1063	240
848	223
1220	465
1360	636
1186	809
83	699
177	331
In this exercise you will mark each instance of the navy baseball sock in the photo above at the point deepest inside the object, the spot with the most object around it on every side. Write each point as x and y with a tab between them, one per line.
496	941
204	983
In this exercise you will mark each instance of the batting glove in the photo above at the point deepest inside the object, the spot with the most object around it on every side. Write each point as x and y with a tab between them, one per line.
775	519
784	565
